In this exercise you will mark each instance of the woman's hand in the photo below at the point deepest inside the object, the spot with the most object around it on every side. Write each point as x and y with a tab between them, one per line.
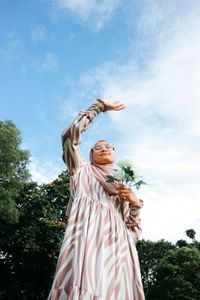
126	194
112	106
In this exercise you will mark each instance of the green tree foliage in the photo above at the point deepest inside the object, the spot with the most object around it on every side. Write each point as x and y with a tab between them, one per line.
29	248
13	170
191	234
177	276
32	225
181	243
150	254
170	271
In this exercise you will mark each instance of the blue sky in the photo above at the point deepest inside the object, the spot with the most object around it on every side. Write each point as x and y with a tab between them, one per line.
58	56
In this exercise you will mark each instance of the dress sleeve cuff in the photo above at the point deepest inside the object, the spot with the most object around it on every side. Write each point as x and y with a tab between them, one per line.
103	105
136	207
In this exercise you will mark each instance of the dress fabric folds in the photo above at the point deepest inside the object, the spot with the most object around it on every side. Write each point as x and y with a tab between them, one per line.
98	259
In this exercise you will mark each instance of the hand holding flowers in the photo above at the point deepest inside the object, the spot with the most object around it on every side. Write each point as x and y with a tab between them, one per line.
126	194
126	177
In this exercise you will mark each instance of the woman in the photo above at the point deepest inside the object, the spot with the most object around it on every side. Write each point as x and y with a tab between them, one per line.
98	259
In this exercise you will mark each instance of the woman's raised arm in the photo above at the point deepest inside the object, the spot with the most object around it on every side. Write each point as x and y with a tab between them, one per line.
71	136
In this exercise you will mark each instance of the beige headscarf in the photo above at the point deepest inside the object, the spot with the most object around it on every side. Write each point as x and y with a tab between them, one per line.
100	172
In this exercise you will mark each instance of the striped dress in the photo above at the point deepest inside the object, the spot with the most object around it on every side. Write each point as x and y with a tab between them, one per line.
98	259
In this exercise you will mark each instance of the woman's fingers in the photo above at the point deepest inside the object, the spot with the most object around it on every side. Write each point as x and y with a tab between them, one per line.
123	196
119	107
123	188
114	105
126	194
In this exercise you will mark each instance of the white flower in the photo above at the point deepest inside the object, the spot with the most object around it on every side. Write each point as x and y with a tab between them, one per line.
125	163
129	163
119	175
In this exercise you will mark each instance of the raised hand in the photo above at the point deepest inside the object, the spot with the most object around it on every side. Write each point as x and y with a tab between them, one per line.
112	106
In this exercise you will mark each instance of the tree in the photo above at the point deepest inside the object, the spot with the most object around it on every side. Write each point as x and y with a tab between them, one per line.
29	248
191	234
150	254
177	275
13	170
32	225
181	243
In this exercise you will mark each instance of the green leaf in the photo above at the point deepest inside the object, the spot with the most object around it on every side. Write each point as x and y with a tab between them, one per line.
139	183
110	178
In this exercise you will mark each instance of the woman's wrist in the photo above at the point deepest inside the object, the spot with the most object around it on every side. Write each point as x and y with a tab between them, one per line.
103	104
137	205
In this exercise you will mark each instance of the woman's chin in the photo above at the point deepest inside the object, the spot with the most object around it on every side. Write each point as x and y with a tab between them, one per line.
105	161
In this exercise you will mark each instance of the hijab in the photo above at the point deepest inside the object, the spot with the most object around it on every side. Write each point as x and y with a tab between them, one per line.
100	172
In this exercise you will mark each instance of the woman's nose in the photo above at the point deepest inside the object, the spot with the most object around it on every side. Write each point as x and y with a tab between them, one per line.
103	148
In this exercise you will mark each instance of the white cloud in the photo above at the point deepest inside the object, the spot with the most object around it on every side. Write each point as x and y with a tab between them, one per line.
91	12
38	33
165	108
160	128
50	63
43	172
169	213
12	50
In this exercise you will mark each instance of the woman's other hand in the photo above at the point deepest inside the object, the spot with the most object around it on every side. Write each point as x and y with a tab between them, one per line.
126	194
112	106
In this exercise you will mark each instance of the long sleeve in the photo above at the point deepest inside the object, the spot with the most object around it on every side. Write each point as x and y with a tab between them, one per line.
133	221
71	136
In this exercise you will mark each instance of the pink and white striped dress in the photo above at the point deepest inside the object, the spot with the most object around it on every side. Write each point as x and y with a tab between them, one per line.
98	259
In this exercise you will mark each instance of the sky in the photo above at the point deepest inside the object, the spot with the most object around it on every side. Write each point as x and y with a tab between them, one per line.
58	56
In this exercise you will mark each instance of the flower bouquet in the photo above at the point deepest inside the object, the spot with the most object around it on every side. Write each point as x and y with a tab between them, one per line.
126	175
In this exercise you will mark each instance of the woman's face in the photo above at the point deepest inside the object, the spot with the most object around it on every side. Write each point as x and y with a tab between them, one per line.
103	153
